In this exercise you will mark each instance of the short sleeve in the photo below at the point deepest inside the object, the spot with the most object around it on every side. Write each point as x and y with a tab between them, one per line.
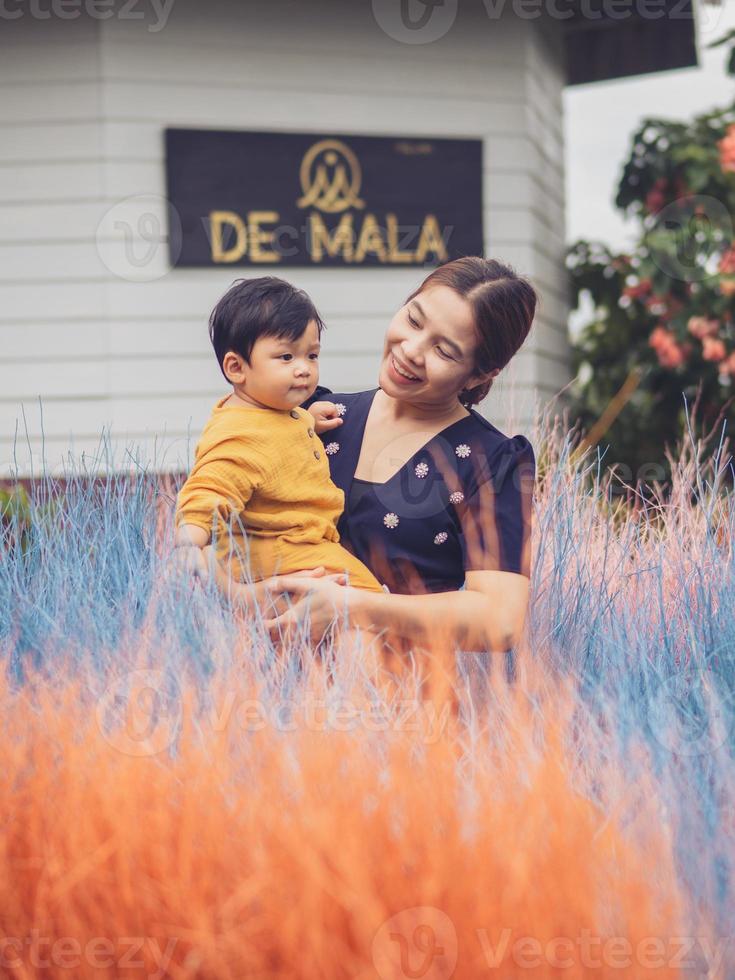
222	481
319	394
495	520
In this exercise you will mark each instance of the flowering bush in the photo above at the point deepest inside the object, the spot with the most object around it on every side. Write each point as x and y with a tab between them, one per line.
665	310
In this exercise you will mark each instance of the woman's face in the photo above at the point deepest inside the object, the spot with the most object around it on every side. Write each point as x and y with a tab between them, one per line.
433	339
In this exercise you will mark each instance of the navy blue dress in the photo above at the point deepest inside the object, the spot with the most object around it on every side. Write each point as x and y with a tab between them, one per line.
462	502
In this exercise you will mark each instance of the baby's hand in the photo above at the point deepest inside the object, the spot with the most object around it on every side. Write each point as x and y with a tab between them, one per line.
190	560
325	416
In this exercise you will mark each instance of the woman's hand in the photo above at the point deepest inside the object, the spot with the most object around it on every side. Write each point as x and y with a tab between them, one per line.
270	590
324	600
325	416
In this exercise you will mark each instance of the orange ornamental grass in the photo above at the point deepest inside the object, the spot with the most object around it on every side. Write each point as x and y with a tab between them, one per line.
218	833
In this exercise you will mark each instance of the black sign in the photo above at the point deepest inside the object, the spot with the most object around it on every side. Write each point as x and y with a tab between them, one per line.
303	200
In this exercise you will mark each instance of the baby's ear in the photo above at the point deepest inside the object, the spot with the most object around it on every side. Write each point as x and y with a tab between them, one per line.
233	367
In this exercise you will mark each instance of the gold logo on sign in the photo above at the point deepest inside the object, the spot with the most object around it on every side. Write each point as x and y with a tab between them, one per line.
330	178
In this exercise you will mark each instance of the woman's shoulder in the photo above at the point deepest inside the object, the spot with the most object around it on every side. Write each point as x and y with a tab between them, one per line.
498	454
494	440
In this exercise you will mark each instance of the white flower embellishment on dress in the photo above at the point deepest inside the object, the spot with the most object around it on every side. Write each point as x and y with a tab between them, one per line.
421	470
391	520
456	498
463	450
441	537
331	448
341	409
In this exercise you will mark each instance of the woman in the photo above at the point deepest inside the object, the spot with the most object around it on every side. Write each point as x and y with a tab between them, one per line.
437	500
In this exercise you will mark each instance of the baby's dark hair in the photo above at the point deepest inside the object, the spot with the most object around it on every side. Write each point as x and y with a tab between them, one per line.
263	307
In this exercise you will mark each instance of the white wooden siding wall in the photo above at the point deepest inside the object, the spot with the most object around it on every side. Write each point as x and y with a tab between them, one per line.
84	108
531	234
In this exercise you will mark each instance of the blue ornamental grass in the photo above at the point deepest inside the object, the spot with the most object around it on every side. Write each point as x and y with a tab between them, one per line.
240	807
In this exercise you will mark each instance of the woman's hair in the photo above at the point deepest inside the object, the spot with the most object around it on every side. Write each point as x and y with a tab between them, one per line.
503	305
264	307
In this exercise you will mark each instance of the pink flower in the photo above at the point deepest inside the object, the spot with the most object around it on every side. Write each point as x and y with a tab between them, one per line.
639	290
658	305
668	352
664	189
728	365
671	357
702	326
713	349
727	262
727	150
659	337
656	198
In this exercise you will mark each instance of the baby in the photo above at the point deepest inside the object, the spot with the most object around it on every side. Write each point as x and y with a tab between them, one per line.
260	488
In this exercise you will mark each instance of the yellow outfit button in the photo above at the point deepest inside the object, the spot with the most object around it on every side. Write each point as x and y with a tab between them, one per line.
311	433
294	414
316	454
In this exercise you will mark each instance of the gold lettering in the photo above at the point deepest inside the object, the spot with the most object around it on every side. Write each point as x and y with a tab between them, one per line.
394	253
370	240
259	237
406	147
341	240
220	254
431	240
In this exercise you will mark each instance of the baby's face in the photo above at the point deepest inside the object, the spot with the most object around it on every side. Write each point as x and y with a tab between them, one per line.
283	373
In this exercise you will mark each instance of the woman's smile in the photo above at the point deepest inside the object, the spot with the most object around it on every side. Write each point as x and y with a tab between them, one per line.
400	374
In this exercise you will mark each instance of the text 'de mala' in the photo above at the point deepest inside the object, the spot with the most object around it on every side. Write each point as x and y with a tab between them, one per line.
246	198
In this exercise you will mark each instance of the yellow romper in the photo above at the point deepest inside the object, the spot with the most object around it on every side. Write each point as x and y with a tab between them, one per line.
260	484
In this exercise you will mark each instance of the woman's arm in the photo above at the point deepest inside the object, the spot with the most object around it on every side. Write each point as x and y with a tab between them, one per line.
489	614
